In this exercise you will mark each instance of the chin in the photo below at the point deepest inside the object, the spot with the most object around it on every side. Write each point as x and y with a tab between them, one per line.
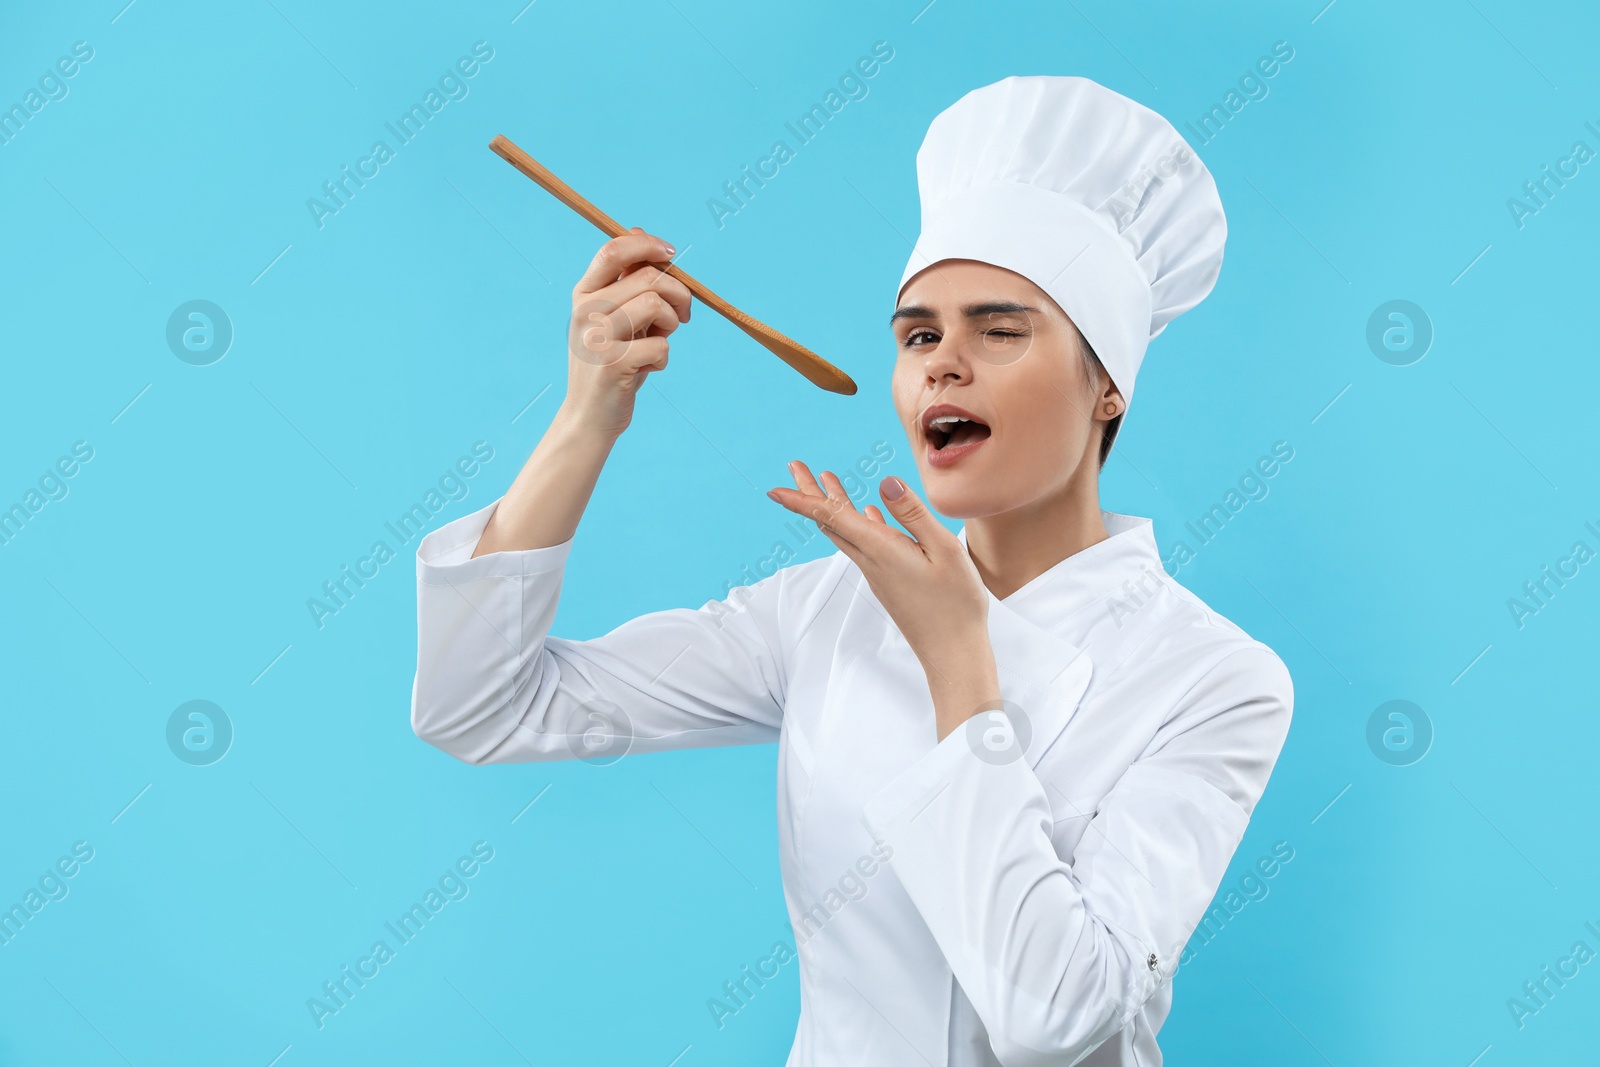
965	494
976	490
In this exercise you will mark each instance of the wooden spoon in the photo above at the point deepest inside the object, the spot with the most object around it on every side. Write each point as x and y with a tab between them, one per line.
816	369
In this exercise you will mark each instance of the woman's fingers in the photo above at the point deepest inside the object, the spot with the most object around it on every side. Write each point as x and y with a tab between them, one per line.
841	514
623	308
644	354
802	478
648	314
645	278
860	528
838	498
601	333
618	256
676	292
621	271
914	515
830	506
810	498
825	503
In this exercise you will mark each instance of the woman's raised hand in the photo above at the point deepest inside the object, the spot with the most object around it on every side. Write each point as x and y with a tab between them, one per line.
927	582
623	309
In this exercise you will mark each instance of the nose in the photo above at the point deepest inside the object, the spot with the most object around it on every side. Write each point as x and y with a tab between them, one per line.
947	364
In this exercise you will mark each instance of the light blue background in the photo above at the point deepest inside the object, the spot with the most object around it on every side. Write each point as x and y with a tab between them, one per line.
429	312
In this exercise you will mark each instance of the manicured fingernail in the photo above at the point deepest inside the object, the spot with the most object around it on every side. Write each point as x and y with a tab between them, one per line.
670	250
892	488
772	495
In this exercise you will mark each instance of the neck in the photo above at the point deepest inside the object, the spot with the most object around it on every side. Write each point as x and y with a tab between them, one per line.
1014	547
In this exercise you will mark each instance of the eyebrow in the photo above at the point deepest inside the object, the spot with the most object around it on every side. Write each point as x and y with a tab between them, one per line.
971	311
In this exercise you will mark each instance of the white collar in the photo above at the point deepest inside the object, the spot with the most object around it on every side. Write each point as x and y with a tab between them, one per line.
1129	552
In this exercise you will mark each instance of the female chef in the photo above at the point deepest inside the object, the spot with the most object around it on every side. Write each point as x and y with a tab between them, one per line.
1032	749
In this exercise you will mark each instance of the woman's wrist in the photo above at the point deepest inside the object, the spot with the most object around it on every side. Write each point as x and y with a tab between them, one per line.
962	683
572	429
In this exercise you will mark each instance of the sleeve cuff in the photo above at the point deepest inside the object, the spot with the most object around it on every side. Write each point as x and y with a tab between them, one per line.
444	557
910	791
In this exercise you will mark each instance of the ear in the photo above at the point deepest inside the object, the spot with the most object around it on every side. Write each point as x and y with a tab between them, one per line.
1108	403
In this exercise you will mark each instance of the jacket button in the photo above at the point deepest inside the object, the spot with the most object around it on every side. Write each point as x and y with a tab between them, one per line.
1152	961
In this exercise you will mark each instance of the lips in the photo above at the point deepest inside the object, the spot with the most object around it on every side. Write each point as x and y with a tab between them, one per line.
952	433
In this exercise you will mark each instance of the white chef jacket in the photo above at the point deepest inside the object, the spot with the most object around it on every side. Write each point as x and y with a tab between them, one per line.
952	907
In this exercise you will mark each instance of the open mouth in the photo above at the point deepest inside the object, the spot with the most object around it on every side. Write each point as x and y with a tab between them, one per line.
953	431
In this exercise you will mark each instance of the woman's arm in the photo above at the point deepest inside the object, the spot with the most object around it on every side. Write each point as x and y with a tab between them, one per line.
492	685
623	309
549	494
1056	957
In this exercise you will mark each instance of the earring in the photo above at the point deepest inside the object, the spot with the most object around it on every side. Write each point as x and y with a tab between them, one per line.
1111	408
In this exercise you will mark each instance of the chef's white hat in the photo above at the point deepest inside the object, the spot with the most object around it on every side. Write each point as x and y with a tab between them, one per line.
1094	198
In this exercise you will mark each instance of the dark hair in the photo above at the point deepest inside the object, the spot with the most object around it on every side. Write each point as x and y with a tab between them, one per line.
1097	374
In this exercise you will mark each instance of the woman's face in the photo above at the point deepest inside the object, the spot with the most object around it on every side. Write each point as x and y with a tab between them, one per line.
992	345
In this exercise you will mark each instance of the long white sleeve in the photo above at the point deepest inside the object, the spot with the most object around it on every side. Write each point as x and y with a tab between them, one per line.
493	687
1056	957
